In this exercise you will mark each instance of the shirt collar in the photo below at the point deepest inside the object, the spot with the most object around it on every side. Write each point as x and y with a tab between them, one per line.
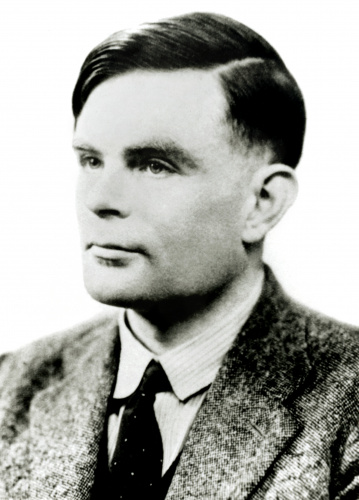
191	366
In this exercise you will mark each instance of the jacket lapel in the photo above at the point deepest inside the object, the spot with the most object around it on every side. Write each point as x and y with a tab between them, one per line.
67	421
243	424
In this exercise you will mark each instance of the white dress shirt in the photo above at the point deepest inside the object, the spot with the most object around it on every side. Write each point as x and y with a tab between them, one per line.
190	367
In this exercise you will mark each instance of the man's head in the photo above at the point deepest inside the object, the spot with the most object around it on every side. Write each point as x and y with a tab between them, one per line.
264	104
186	131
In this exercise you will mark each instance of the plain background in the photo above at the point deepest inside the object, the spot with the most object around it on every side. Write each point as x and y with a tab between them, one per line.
315	249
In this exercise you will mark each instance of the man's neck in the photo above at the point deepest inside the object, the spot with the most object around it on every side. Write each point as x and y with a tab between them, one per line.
163	328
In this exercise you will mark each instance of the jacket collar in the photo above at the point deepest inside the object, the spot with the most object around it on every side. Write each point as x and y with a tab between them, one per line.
244	422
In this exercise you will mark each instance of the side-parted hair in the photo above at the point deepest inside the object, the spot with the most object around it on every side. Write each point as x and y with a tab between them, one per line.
265	104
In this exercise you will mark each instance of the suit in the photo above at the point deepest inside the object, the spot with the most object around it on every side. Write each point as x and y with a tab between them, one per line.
279	422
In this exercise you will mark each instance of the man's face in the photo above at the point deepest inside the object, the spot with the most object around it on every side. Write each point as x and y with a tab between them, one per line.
161	190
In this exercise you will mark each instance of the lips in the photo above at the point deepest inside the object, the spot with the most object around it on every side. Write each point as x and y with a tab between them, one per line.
110	251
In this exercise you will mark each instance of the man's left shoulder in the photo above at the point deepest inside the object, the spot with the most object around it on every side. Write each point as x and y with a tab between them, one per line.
328	340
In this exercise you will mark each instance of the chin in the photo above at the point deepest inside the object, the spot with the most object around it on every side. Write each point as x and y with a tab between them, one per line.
121	291
111	294
116	286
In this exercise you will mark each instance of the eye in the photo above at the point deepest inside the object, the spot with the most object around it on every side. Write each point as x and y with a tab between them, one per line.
90	161
157	167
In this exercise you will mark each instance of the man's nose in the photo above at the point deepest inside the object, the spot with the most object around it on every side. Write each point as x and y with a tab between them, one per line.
107	193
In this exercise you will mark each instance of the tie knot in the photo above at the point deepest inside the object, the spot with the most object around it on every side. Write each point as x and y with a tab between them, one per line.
154	380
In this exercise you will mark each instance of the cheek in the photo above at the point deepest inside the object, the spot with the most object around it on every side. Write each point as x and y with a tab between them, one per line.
82	216
80	197
198	248
196	222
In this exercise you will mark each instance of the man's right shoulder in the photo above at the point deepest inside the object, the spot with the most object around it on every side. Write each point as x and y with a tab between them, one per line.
57	352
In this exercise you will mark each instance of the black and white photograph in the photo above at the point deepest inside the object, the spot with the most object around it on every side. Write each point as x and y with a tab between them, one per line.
179	250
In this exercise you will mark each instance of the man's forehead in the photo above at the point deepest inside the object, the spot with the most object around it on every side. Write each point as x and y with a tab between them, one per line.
199	90
183	101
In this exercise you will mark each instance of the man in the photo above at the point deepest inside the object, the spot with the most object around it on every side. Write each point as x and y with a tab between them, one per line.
187	133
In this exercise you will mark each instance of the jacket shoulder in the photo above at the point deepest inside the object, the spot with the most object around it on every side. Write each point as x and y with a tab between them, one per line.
326	347
324	333
51	356
331	346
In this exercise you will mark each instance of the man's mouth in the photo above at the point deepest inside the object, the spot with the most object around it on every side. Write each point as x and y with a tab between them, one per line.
110	251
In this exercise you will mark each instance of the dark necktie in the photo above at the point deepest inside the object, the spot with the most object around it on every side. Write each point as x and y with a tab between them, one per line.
136	466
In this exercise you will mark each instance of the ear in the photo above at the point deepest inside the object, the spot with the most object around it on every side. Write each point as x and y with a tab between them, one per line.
273	189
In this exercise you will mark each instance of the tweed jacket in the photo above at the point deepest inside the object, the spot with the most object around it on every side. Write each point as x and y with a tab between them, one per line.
280	421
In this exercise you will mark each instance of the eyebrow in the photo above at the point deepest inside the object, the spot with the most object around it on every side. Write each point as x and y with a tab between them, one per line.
82	146
161	149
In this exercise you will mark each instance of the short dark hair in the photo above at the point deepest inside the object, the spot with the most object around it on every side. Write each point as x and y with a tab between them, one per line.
265	104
